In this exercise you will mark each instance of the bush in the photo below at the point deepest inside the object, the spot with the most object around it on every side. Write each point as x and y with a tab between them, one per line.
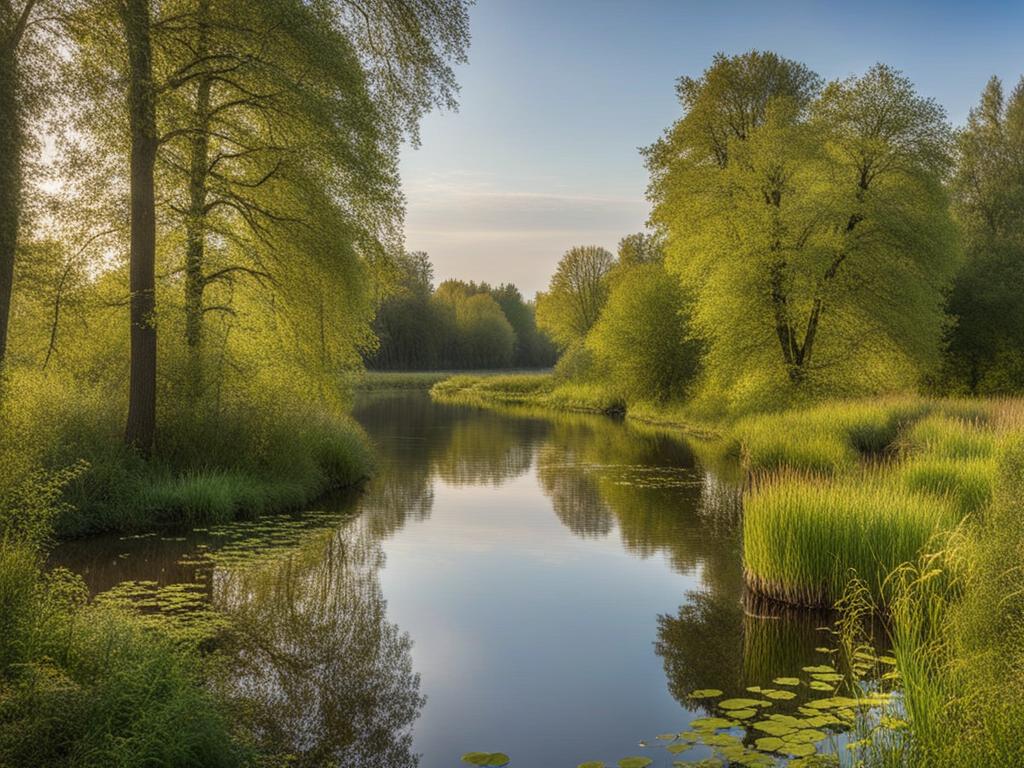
88	686
643	337
261	449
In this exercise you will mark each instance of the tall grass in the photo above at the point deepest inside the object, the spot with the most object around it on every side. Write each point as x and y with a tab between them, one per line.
804	536
827	438
260	450
82	685
958	632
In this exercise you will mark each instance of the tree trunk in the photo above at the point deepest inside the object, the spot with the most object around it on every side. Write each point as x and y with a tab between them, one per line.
140	430
11	144
195	224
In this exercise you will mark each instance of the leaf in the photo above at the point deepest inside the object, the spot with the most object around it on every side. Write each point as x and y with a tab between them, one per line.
635	762
705	693
496	759
786	681
675	749
592	764
742	714
743	703
768	743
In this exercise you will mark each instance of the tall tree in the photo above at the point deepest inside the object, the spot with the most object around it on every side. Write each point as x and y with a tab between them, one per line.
140	430
14	22
795	214
576	294
986	347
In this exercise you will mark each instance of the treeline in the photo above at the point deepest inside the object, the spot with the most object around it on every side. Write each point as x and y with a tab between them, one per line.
458	325
812	239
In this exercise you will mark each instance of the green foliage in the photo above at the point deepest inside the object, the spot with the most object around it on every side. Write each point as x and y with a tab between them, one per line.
262	448
89	686
459	326
794	212
642	337
984	354
803	537
576	294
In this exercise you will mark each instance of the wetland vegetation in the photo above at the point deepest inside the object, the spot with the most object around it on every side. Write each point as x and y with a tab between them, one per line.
746	492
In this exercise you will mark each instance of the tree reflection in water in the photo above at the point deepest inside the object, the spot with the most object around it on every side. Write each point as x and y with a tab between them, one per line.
319	674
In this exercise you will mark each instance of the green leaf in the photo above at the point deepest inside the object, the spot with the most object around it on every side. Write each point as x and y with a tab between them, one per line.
705	693
635	762
495	759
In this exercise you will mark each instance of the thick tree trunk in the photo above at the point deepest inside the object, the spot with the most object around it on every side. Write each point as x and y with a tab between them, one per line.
140	430
11	143
195	224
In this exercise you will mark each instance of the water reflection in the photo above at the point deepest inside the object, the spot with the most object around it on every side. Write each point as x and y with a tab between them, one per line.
317	672
548	585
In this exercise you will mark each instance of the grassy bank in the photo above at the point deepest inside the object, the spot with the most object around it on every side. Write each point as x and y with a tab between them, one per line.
261	451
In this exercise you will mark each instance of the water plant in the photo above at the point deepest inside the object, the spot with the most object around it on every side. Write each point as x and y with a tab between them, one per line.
803	536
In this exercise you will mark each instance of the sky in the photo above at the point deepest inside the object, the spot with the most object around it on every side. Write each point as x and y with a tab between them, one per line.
559	95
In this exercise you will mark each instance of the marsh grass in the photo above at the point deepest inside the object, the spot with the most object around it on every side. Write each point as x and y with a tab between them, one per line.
262	451
804	536
825	439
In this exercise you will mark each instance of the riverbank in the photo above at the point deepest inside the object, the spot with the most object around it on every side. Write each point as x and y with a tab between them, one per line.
260	451
905	506
89	683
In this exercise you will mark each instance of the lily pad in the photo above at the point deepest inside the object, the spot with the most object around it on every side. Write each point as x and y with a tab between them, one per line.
782	695
675	749
805	736
830	677
712	723
742	714
635	762
820	668
705	693
818	685
486	758
742	703
768	743
666	736
799	750
592	764
786	681
773	728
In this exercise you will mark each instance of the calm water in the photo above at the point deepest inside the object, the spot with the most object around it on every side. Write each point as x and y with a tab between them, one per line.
547	586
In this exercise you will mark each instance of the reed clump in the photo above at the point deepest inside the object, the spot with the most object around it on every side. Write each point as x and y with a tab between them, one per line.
805	536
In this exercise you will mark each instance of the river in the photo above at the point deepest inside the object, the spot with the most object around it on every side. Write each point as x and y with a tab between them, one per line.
550	586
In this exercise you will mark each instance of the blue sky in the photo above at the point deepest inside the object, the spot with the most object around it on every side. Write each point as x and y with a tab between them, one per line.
558	95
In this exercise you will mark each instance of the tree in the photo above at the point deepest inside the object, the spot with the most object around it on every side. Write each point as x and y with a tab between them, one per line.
14	111
641	248
533	348
140	430
986	346
643	337
576	294
811	223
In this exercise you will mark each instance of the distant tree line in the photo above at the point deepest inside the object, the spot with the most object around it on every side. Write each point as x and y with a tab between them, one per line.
458	325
